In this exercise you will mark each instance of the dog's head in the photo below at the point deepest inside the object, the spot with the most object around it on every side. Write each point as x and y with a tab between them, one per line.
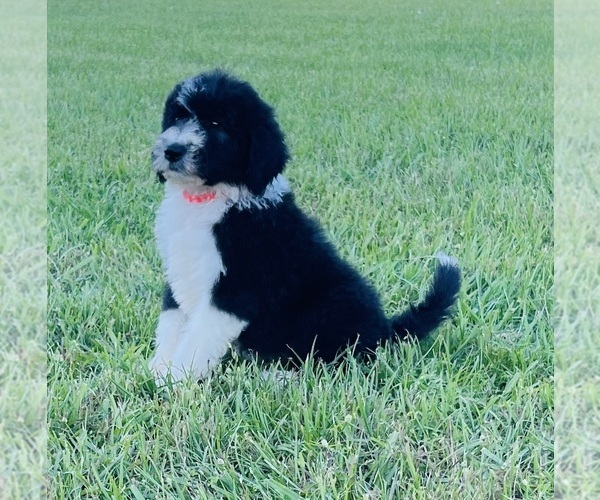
216	129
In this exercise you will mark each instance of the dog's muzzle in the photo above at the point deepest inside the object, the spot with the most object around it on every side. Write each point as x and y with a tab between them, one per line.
176	149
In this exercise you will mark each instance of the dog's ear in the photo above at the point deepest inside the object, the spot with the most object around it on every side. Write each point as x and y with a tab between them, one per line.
267	157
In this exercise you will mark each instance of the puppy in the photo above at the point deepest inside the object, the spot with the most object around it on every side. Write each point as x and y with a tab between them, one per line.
244	265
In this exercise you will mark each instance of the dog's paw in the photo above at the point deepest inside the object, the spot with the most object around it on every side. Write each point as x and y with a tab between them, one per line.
165	371
162	370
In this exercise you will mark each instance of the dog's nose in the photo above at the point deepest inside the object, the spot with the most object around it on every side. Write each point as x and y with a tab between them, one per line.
175	152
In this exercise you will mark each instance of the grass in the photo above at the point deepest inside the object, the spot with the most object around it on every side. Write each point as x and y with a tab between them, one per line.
414	128
22	252
577	261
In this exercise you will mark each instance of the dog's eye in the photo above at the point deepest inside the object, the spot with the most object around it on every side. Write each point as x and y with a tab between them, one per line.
212	124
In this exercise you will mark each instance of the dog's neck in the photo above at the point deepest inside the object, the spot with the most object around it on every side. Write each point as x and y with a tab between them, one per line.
204	197
240	197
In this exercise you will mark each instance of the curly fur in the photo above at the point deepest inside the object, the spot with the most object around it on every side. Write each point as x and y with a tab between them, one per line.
248	267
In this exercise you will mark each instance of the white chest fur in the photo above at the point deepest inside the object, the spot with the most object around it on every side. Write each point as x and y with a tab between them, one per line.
187	246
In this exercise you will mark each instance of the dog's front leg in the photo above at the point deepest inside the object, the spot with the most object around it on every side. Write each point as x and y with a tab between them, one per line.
169	330
204	340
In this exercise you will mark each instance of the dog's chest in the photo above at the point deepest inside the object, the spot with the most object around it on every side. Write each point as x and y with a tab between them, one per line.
186	243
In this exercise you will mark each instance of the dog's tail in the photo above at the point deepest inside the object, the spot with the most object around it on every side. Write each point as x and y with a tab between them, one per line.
421	319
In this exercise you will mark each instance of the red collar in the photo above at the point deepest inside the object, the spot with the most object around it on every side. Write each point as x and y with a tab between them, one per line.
200	198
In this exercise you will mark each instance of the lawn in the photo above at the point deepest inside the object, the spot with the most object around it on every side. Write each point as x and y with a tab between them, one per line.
577	261
22	250
414	127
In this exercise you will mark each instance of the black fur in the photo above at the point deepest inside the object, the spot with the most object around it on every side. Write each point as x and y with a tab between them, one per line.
282	274
288	282
169	301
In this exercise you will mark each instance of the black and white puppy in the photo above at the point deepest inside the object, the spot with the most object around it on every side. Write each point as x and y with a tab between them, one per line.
243	264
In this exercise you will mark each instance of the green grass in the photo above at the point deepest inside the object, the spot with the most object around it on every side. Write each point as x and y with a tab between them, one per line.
22	252
577	262
414	127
